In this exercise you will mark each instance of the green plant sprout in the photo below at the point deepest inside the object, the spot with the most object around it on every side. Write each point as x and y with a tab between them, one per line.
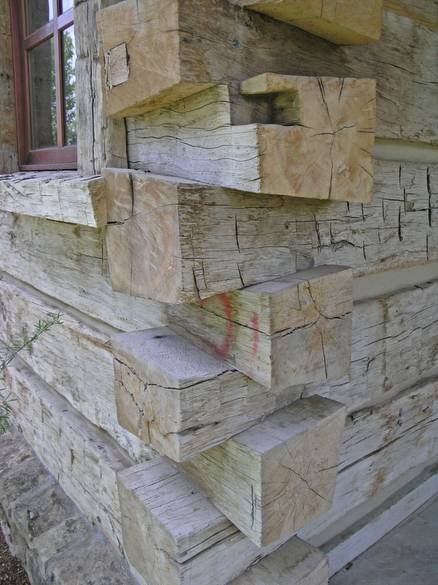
8	352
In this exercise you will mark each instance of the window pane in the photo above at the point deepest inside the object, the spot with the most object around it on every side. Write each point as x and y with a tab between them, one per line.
38	12
42	90
69	73
66	5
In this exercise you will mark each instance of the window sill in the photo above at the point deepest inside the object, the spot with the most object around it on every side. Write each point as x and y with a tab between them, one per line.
60	196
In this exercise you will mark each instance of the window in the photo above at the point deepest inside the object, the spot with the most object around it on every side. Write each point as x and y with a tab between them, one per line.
44	65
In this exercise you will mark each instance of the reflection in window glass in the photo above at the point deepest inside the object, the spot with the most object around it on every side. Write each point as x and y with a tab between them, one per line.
69	80
66	5
38	13
42	94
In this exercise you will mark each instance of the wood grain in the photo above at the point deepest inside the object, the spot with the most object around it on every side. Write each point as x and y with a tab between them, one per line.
344	22
74	358
83	459
317	143
69	263
155	250
292	330
181	400
65	197
274	478
175	59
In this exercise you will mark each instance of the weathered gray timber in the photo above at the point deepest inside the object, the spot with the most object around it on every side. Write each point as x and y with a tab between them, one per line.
60	196
8	131
45	530
173	534
181	400
177	241
75	271
74	358
382	444
295	562
83	458
274	478
101	142
395	340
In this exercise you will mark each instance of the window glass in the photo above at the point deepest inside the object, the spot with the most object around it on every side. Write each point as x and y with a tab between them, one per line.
66	5
38	13
42	95
69	82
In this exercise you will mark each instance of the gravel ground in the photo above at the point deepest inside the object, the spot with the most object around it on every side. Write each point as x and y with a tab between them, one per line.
11	571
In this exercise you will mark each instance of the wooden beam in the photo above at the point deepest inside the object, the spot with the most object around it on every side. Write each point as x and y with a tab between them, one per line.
141	44
81	457
292	330
345	22
174	535
78	269
170	57
8	130
74	358
242	239
65	197
317	142
272	479
296	562
181	400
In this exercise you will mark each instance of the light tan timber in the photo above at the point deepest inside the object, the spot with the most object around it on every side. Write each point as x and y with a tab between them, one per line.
295	562
8	131
344	22
272	479
155	250
178	47
69	263
173	534
317	145
394	346
181	400
61	196
380	445
292	330
74	358
425	12
83	459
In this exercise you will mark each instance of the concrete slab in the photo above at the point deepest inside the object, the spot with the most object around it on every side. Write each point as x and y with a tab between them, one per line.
408	555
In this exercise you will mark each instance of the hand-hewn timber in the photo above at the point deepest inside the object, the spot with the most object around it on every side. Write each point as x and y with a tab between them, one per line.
345	22
317	142
74	358
155	251
64	196
84	459
381	444
173	534
295	562
69	263
101	141
177	49
292	330
181	400
272	479
8	131
394	347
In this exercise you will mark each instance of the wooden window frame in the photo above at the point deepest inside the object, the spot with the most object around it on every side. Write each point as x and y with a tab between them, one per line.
55	157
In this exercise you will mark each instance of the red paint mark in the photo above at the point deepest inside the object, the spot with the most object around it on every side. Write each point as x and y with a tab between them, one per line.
256	334
224	349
